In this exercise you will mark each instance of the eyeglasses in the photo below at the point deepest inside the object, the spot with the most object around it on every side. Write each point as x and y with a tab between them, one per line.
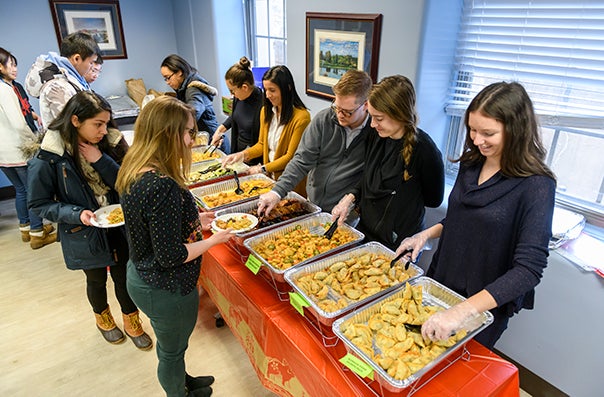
166	79
346	113
192	132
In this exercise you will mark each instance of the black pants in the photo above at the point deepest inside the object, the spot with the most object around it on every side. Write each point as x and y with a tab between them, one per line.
490	335
96	288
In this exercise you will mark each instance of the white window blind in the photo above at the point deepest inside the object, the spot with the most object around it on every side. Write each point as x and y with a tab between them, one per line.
555	48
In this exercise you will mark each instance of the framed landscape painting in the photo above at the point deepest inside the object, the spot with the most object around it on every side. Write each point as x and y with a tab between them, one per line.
100	18
336	43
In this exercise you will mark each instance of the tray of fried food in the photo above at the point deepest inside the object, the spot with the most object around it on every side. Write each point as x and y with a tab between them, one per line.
386	333
297	243
211	171
291	208
220	195
342	282
205	153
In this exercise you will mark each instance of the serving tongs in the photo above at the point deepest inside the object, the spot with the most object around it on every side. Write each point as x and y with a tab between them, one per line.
211	168
254	188
332	229
213	146
399	256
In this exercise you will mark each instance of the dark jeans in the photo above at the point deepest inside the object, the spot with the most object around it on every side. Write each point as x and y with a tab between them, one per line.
96	288
18	177
173	319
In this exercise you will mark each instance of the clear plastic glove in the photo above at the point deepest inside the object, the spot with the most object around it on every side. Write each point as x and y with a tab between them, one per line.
267	202
416	243
343	208
441	325
233	158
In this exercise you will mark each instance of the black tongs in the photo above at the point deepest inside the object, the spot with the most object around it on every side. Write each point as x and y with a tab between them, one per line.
399	256
214	146
211	168
332	229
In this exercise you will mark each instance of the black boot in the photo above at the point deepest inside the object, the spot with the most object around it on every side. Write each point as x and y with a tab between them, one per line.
202	392
194	383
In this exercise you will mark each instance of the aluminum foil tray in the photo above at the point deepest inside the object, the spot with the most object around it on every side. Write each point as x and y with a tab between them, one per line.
308	223
253	205
434	294
241	168
325	317
201	149
226	186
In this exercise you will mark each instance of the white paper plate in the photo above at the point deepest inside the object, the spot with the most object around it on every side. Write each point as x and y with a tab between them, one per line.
101	217
235	216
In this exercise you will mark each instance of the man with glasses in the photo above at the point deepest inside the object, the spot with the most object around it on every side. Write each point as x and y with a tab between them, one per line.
332	149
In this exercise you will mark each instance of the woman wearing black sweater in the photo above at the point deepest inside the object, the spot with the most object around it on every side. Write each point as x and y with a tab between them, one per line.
403	173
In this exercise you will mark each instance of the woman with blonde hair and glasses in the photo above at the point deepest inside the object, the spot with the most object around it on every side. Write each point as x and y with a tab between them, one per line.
404	170
165	235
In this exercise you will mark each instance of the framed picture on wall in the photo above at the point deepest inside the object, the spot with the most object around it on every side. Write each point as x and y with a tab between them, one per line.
100	18
336	43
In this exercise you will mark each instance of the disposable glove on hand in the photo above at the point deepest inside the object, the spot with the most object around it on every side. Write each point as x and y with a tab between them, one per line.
343	208
416	243
267	202
441	325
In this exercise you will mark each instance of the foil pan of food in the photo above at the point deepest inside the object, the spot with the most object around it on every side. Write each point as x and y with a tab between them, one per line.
208	172
386	333
300	242
340	283
222	194
205	153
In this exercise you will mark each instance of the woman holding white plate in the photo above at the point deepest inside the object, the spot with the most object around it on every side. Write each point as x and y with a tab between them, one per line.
72	176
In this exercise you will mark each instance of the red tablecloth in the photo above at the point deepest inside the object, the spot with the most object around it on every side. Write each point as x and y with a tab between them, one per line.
290	358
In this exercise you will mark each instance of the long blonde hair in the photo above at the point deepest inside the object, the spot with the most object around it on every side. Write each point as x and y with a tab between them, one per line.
158	143
395	96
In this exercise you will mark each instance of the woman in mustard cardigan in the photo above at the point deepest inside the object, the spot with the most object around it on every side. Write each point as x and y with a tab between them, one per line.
283	119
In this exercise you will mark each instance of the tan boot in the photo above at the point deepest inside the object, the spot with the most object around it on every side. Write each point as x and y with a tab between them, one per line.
40	238
25	229
106	324
134	329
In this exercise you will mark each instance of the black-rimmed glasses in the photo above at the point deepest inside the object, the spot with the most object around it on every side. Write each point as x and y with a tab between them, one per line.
166	79
346	113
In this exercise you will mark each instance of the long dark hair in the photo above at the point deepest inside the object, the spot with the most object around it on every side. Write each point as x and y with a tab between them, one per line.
85	105
6	56
523	152
282	78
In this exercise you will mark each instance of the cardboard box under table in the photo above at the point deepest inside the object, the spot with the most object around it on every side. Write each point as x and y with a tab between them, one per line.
290	359
317	224
251	207
433	294
323	319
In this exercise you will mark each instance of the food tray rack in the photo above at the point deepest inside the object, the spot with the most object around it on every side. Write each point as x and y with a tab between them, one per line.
242	170
434	294
202	149
275	276
237	241
226	186
323	320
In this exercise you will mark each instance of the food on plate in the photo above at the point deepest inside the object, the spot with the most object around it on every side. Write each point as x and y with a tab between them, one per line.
115	216
229	196
197	156
351	280
234	222
390	339
290	248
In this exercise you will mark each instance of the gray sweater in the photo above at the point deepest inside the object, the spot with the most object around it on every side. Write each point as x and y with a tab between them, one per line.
332	169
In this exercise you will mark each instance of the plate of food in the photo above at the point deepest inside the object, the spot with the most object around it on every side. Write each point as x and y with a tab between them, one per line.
109	216
236	221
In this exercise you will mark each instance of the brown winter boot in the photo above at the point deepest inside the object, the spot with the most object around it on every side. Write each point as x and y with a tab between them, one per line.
106	324
134	329
24	229
40	238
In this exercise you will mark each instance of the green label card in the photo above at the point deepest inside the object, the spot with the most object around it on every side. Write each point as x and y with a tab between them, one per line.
253	264
298	302
358	366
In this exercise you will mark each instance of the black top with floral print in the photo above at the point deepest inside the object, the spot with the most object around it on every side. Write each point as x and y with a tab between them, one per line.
160	218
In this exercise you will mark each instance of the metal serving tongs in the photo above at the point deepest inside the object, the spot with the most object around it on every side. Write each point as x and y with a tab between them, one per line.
214	146
399	256
211	168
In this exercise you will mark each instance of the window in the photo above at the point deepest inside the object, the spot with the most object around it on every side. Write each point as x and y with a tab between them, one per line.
555	49
266	31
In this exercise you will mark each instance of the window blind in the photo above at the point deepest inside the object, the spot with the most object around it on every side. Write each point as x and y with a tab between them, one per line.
554	48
